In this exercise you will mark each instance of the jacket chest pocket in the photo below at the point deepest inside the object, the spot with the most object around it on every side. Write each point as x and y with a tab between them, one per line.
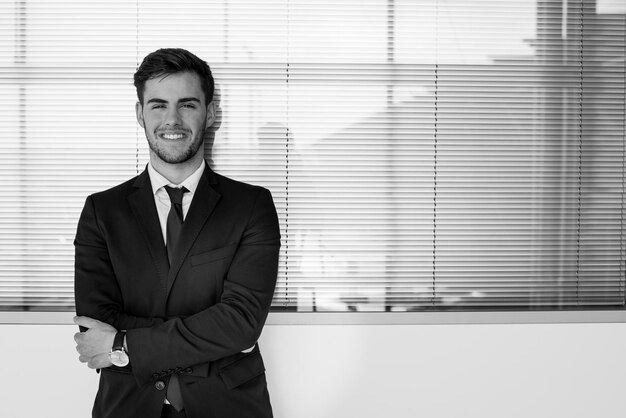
223	254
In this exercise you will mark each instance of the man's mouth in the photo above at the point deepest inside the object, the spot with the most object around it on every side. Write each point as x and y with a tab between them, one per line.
172	135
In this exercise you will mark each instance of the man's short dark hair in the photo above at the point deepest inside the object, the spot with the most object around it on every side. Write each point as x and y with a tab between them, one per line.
167	61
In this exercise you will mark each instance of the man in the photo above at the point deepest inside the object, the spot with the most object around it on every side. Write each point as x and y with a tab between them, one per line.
176	268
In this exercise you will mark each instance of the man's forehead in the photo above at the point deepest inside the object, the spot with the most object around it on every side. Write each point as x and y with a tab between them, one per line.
184	84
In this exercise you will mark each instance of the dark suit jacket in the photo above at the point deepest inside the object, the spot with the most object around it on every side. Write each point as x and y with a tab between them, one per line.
194	318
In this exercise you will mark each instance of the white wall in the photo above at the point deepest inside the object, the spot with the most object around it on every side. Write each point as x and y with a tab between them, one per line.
327	371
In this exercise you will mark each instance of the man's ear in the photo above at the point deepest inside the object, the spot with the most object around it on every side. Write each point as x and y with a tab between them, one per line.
210	114
139	113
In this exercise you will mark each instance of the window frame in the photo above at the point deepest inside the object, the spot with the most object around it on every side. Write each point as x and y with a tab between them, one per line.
377	318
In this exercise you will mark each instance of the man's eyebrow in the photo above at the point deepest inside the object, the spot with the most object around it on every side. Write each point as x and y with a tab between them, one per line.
189	99
156	101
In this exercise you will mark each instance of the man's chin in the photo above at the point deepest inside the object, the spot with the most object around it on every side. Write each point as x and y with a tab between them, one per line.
174	159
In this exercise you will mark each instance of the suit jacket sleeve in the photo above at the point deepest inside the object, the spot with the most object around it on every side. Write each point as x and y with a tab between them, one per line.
235	322
96	290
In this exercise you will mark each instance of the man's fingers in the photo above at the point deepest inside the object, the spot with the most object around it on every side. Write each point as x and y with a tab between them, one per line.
93	345
78	336
99	361
85	321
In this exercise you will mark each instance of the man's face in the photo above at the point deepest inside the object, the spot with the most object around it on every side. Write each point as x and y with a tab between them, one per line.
174	115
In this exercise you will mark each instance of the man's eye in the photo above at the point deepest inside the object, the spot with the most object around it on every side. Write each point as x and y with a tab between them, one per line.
158	106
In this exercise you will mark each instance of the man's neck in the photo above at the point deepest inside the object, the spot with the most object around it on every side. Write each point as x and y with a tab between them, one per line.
176	173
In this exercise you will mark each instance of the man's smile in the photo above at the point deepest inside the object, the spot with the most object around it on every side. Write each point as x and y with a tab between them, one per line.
171	135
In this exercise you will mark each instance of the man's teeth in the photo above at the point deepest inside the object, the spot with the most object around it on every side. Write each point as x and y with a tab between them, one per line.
173	136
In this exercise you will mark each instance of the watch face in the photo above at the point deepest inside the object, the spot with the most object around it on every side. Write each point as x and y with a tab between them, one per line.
119	358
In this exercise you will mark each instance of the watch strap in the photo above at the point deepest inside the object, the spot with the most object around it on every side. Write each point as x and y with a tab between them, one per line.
118	341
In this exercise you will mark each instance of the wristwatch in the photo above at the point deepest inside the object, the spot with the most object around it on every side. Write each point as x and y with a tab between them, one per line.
118	355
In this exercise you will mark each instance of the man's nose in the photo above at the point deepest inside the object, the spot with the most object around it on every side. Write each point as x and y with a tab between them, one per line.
172	117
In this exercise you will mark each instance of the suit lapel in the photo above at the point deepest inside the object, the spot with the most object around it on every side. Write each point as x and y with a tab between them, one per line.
142	204
204	201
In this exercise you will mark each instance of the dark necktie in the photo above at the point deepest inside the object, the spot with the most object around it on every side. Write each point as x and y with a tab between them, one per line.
174	220
174	226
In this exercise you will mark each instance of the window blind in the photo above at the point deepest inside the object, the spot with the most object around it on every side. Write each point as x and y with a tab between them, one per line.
422	155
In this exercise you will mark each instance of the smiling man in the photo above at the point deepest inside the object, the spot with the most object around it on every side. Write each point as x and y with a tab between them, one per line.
176	268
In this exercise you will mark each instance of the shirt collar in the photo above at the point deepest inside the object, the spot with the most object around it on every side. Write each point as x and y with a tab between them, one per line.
190	183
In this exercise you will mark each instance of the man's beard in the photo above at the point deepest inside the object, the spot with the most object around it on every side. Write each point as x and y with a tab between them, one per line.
182	157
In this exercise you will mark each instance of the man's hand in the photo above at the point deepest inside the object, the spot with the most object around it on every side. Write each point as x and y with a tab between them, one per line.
94	345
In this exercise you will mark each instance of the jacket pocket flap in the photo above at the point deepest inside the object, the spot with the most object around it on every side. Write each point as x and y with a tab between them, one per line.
242	370
213	255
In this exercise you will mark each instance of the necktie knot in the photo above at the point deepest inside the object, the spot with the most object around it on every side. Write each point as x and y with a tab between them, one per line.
176	194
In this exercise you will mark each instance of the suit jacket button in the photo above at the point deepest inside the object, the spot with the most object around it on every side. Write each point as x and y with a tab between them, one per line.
159	385
188	370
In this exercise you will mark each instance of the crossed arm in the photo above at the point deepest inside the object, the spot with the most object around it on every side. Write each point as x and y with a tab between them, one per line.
232	325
